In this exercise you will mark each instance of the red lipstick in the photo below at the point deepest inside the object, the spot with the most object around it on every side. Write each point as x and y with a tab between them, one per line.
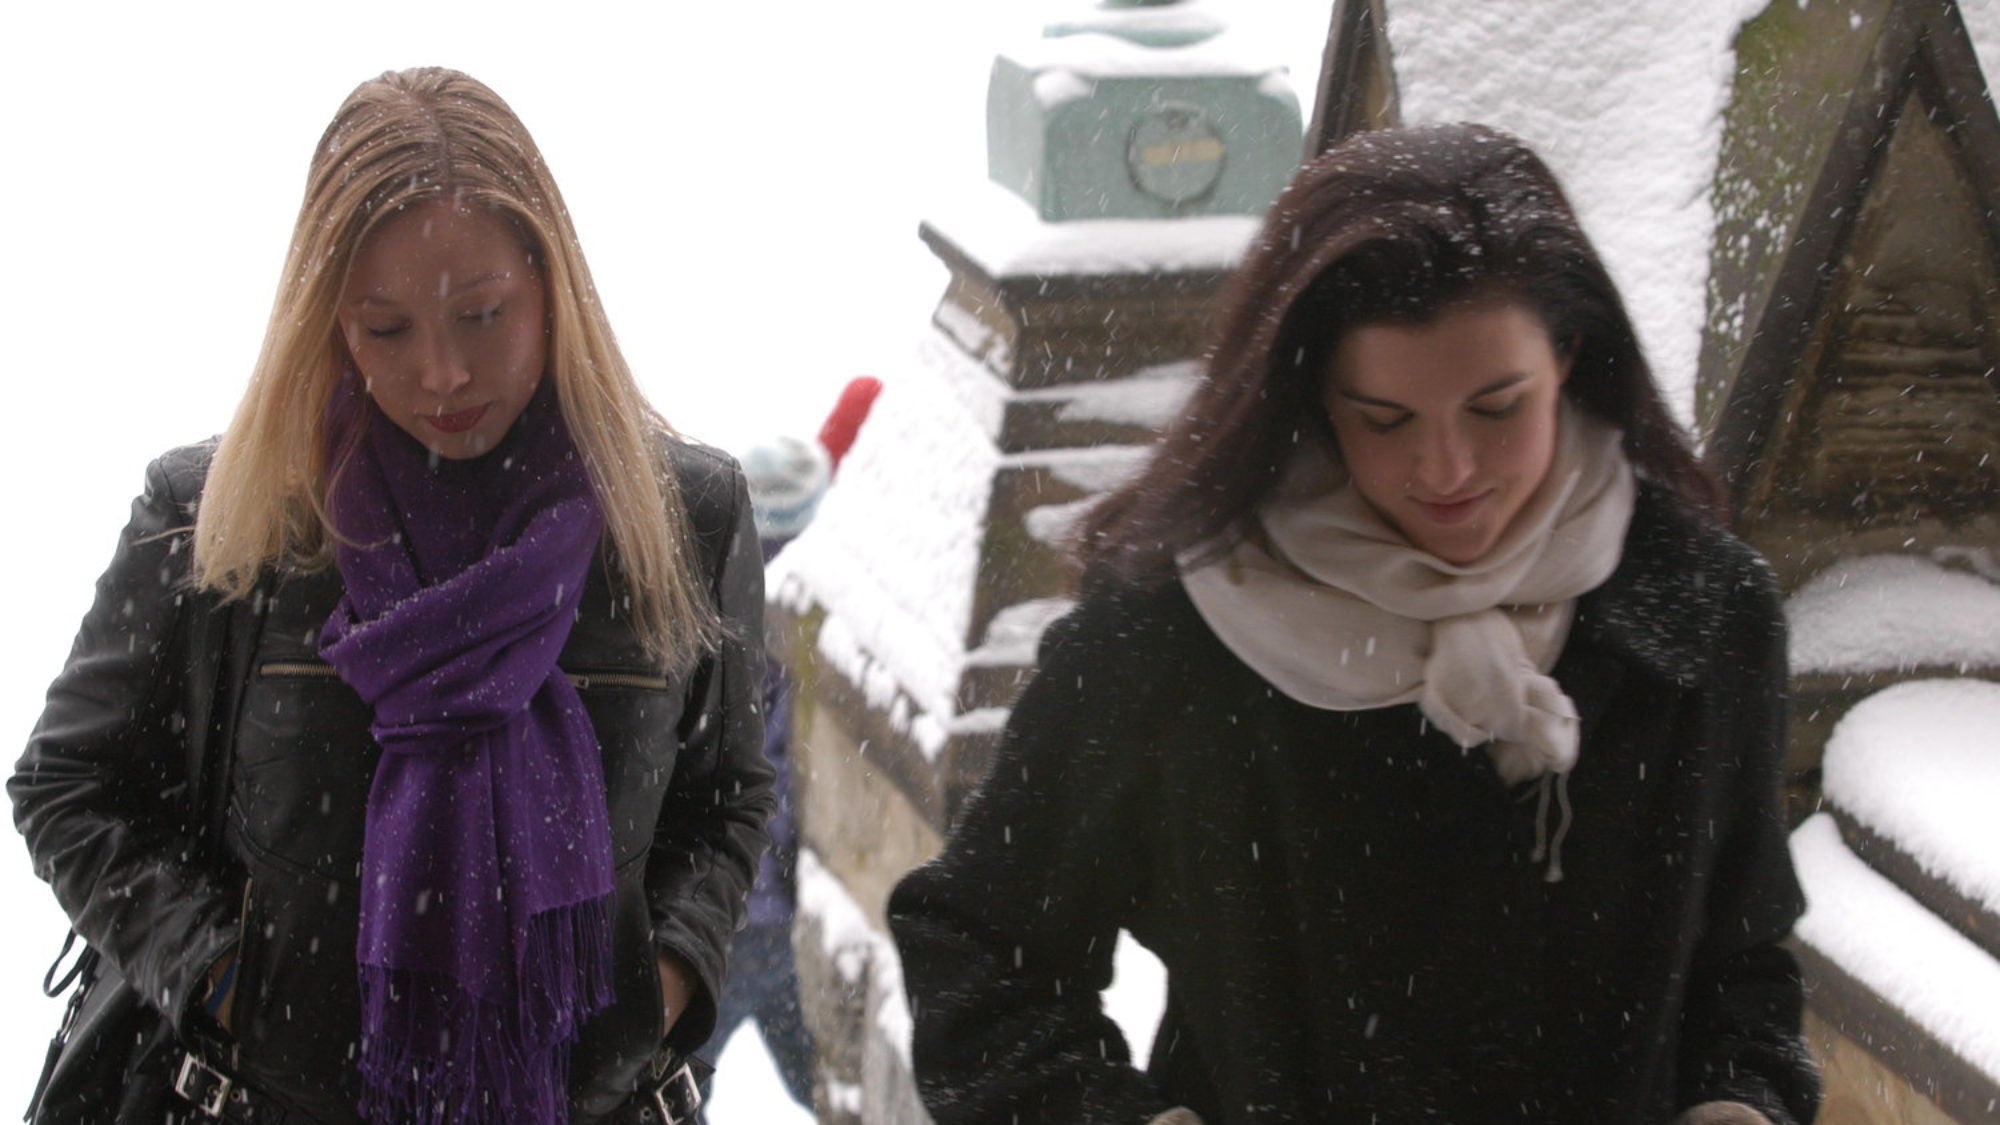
456	423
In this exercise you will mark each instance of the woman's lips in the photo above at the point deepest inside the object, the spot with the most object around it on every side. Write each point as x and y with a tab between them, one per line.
455	423
1450	511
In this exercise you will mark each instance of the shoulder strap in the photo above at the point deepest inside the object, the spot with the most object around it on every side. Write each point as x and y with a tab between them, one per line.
222	645
207	635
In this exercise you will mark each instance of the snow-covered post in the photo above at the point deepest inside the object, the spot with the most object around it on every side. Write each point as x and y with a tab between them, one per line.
1130	151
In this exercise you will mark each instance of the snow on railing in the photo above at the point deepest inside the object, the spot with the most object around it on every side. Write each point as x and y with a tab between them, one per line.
1893	613
1887	941
1919	765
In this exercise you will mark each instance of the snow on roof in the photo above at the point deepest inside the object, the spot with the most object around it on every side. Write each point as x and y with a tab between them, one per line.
1880	613
980	720
1016	632
1919	764
949	352
1886	940
1151	397
856	949
1057	524
1982	21
1625	102
893	553
1056	87
1099	55
1180	23
1004	236
892	556
1093	468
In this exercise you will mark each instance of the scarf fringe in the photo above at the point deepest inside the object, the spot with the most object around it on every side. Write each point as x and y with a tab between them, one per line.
432	1053
565	970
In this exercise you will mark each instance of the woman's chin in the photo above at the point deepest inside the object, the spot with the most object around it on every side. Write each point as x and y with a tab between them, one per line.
1460	545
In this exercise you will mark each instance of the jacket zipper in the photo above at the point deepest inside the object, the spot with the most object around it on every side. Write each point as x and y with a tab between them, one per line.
296	668
584	681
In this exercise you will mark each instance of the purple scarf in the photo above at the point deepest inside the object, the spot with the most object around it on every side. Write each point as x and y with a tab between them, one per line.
486	871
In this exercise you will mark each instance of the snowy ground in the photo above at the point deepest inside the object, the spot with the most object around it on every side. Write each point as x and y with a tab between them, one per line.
714	155
747	1088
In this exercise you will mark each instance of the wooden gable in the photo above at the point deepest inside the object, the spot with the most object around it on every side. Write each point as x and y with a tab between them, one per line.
1357	77
1847	382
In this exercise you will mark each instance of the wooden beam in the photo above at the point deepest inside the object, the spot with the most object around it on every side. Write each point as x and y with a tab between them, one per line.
1357	82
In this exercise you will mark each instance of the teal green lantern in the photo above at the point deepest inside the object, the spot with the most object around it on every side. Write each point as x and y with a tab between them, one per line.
1139	111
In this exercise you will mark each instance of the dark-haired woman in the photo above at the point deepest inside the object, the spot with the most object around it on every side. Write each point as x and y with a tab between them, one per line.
489	692
1418	713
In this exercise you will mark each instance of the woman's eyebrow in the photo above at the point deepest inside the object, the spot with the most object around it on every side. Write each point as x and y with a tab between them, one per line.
1368	400
451	289
1495	387
476	282
1498	385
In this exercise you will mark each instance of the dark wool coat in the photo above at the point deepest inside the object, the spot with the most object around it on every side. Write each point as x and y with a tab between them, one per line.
100	796
1351	923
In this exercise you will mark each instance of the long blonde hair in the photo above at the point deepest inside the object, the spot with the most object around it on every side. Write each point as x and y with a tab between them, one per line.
399	139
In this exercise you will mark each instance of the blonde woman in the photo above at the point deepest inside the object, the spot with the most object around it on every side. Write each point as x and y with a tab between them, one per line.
494	794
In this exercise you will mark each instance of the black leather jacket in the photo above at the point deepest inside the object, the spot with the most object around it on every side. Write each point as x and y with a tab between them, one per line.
101	797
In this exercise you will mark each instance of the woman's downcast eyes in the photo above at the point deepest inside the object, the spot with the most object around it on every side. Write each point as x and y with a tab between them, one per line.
1385	423
477	319
1500	412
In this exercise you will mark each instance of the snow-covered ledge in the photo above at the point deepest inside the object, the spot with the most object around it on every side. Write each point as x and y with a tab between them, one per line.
1896	613
1901	939
1004	239
1915	770
1896	979
1867	623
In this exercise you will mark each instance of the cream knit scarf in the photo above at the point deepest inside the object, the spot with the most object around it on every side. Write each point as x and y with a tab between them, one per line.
1335	608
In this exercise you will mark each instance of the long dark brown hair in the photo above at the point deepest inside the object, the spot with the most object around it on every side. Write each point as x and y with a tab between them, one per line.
1396	225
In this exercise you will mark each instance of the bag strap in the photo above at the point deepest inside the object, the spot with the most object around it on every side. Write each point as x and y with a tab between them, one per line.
51	987
223	646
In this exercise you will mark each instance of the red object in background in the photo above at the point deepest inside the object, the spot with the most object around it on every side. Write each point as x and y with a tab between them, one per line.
836	436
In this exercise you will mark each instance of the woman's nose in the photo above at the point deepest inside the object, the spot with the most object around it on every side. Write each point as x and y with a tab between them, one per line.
443	369
1444	463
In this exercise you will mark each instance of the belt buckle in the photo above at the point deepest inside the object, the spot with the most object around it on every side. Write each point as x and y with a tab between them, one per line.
679	1089
192	1069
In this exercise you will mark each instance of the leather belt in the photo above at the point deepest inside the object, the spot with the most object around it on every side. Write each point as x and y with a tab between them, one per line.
218	1096
670	1094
